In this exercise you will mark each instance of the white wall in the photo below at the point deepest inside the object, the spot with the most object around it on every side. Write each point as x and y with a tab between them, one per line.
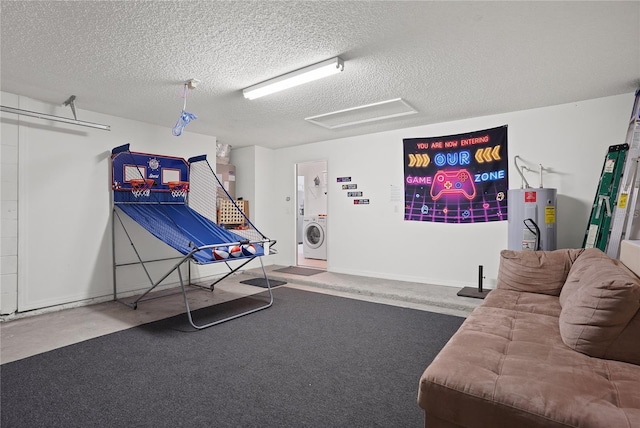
9	212
264	216
252	172
569	140
64	201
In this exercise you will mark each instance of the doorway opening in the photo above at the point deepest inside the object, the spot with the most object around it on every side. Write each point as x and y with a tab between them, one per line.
311	219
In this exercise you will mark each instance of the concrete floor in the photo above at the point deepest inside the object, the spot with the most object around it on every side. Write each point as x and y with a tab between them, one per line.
26	336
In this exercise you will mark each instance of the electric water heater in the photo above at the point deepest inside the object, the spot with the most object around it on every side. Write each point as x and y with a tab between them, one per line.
532	219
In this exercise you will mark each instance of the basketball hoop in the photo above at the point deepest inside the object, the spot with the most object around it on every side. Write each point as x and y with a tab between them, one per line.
178	188
141	187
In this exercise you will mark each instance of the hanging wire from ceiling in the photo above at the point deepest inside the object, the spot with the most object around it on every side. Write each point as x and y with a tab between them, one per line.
185	116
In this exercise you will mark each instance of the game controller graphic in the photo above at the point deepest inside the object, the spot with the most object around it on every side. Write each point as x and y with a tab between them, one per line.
458	182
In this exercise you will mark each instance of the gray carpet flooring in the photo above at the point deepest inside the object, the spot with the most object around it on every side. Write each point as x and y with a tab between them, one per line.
311	360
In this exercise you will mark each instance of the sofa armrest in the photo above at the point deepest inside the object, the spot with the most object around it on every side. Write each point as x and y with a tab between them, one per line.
543	272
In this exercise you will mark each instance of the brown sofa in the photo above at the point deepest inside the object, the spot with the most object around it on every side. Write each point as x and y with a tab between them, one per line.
556	344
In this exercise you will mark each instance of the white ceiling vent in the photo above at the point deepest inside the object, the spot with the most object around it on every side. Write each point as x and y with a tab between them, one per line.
363	114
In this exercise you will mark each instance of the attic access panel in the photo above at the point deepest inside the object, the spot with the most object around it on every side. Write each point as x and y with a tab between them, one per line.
367	113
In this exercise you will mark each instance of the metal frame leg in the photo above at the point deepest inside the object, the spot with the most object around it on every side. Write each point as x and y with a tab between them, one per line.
211	324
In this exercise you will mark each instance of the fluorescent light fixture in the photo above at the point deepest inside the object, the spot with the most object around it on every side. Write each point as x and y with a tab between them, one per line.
363	114
295	78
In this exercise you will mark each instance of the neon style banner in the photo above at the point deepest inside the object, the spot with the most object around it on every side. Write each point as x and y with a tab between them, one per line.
457	178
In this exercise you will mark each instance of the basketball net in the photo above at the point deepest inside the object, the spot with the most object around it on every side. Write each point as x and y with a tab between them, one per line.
140	188
179	188
140	192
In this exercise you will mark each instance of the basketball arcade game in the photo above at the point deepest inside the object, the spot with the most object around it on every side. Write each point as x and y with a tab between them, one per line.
175	200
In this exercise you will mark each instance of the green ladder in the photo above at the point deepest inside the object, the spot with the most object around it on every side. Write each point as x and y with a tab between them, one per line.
597	234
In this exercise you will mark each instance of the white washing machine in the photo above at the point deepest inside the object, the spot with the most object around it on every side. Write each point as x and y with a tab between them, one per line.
314	237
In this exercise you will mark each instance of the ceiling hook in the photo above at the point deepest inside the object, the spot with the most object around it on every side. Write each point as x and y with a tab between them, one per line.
71	102
192	83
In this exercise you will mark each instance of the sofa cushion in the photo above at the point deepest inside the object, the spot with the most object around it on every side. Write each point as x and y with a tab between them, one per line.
523	302
541	272
505	368
601	317
587	258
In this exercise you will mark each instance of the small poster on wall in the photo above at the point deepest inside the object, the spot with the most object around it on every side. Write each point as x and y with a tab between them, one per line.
459	178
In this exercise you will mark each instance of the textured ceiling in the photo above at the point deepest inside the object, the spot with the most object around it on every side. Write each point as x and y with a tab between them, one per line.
449	60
